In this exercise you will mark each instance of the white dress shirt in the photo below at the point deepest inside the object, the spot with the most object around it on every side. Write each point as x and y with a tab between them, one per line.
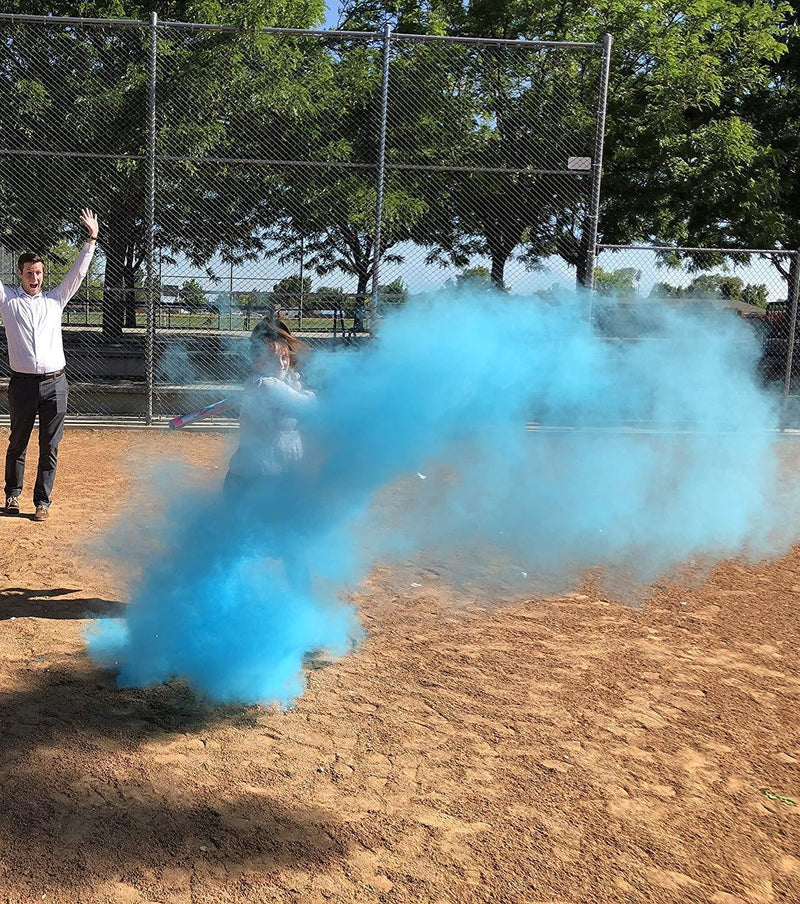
33	322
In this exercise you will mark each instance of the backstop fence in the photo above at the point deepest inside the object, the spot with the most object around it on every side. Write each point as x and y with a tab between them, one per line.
320	176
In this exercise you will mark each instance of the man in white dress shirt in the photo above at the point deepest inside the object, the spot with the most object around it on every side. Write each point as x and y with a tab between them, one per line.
38	384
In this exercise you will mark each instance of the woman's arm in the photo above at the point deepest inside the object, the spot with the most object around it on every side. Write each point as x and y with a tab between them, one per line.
288	398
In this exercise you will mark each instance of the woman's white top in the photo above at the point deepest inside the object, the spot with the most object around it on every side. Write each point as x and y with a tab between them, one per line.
269	441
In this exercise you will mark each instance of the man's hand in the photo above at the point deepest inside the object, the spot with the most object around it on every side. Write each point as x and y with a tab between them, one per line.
89	220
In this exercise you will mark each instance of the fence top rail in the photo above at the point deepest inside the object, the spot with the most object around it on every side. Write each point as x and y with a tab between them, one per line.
513	42
311	32
665	248
71	20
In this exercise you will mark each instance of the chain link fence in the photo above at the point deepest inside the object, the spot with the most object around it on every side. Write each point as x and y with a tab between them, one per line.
319	177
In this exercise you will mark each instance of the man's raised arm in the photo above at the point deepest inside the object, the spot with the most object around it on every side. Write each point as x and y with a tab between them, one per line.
72	281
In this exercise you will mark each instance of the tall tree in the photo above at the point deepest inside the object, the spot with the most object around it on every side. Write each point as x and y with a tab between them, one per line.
486	128
72	90
681	155
329	210
768	187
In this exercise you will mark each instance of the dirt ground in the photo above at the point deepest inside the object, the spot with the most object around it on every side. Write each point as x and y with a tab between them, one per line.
561	750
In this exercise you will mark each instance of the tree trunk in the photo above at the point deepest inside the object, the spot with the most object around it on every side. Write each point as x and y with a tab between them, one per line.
581	268
363	282
114	284
361	301
118	304
499	258
501	240
130	290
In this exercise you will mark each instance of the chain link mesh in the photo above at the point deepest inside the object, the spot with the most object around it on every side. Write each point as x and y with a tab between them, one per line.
269	177
73	135
276	195
480	140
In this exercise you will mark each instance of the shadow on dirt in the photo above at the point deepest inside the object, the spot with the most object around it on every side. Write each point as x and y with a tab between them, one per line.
81	801
20	602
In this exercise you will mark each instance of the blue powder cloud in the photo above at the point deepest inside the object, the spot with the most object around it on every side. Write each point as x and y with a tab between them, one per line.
446	392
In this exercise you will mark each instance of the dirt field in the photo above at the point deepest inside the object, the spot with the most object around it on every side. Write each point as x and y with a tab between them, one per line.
565	750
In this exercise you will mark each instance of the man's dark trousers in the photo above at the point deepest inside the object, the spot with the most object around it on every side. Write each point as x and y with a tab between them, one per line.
29	395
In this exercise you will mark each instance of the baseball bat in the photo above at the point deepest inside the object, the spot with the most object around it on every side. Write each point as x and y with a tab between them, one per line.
202	413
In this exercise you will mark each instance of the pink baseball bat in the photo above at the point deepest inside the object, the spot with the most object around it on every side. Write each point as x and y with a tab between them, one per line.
202	413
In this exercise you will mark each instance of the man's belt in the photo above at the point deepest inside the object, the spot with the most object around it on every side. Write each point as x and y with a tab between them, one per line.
50	376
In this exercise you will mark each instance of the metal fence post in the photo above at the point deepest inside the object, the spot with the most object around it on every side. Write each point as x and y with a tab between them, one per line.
230	301
593	216
302	277
792	299
376	251
151	215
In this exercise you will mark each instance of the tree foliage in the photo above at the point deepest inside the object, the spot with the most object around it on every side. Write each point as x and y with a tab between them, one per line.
192	296
690	105
393	293
702	134
622	282
78	90
713	286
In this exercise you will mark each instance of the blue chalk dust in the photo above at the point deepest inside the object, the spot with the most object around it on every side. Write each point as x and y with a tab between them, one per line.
233	603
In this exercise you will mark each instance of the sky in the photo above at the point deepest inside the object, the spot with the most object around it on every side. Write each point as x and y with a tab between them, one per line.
419	276
332	15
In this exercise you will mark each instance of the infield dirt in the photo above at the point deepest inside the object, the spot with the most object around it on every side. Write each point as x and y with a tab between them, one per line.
569	749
